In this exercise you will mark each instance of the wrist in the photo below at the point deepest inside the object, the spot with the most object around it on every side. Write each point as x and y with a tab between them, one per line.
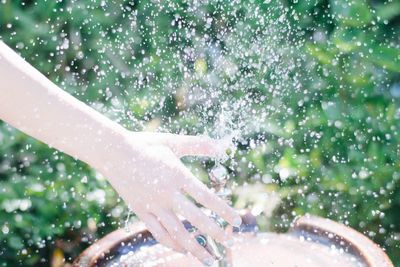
112	150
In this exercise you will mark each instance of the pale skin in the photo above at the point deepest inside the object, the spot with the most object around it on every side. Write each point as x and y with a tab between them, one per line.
144	168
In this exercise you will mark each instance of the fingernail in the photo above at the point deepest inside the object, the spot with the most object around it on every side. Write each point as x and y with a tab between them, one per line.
229	243
208	262
202	240
237	221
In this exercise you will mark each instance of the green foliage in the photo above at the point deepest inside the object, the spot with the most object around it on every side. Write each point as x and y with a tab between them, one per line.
329	92
45	196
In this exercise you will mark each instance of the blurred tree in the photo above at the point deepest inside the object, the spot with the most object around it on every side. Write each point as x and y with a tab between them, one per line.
312	85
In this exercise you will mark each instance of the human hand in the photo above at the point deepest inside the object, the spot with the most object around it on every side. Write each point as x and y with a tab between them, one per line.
152	180
144	168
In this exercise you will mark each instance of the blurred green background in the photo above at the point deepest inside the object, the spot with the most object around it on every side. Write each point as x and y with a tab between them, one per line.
313	85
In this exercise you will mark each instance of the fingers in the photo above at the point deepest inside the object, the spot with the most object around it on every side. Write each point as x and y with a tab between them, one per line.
197	218
159	232
207	198
185	145
181	236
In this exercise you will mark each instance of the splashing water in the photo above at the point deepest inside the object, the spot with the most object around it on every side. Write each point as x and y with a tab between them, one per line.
308	90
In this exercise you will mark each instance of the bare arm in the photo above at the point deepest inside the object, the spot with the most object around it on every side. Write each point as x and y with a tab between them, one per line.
36	106
144	168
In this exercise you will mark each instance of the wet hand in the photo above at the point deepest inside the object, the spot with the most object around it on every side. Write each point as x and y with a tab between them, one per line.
150	177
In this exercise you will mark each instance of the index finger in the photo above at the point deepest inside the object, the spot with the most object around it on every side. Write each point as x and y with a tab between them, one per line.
204	196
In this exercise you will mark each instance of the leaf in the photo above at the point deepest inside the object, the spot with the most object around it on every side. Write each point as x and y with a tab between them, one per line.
6	14
200	66
348	39
358	72
321	53
386	57
15	242
352	13
388	10
305	7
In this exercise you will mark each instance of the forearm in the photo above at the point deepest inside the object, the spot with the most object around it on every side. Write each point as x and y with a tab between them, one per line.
36	106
